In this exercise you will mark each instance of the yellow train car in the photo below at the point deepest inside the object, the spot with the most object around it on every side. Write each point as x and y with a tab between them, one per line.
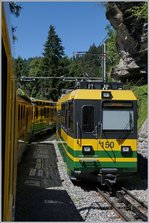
9	128
97	131
44	116
19	117
24	120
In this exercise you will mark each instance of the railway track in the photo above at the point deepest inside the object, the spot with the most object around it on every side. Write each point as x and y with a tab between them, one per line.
131	208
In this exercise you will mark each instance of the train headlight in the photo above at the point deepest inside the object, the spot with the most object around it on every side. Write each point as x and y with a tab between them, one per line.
87	150
106	94
125	149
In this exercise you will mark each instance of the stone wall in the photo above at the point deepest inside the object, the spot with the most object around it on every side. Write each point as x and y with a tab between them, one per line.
143	151
131	41
143	140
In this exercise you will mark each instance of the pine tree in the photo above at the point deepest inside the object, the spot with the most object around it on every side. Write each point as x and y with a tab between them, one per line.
93	61
15	9
51	64
20	68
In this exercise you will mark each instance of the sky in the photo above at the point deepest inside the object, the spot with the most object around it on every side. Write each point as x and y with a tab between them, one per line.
78	25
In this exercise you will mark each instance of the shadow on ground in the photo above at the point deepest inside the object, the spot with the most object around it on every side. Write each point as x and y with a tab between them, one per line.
48	135
40	195
36	204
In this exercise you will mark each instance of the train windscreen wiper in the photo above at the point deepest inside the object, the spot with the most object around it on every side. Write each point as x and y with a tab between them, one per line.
126	131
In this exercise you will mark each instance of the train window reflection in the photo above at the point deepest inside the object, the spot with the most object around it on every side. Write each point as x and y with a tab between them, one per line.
118	120
88	118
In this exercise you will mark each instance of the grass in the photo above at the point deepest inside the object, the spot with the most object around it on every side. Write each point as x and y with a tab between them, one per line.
141	92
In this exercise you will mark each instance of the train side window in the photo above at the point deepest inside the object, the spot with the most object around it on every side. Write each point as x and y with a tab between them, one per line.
19	112
65	116
26	118
70	116
36	113
63	113
19	116
41	112
88	118
45	113
51	114
24	110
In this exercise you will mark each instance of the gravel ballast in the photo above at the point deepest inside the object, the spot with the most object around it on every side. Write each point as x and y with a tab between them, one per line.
91	207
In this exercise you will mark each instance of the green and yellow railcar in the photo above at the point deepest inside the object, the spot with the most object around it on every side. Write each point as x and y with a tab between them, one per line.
44	116
24	122
97	131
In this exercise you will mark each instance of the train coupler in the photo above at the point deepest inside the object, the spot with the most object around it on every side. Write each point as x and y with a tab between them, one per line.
108	176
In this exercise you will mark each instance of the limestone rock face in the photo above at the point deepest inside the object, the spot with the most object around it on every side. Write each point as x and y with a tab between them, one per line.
131	41
143	140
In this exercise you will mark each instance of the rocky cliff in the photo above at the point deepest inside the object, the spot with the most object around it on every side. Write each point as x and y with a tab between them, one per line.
131	41
143	140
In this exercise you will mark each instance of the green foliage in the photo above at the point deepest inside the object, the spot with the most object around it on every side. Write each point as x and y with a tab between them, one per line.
53	51
55	64
35	67
111	49
140	11
87	64
93	61
20	68
51	63
75	67
90	64
15	8
141	93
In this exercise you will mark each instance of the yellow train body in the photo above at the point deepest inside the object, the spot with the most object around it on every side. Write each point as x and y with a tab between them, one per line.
17	120
9	130
24	122
97	134
44	116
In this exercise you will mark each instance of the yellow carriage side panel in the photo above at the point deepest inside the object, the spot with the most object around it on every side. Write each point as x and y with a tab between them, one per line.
9	150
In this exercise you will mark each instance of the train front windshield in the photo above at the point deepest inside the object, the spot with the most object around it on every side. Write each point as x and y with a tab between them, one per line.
118	116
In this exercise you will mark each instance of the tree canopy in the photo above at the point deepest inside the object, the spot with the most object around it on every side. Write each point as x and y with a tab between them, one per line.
54	64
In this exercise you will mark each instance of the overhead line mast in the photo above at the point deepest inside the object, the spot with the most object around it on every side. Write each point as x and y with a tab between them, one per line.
104	75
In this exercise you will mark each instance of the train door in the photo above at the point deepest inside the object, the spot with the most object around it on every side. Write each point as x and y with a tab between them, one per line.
87	126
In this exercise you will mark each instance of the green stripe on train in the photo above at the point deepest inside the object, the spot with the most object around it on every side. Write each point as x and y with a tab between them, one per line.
90	166
103	154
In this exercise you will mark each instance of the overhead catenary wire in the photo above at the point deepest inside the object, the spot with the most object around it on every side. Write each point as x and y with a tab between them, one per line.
28	79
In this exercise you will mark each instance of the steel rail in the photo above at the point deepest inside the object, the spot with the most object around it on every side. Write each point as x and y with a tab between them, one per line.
135	198
132	207
120	213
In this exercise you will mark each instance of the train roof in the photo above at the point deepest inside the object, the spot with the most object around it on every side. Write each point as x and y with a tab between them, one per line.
96	94
22	94
42	102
